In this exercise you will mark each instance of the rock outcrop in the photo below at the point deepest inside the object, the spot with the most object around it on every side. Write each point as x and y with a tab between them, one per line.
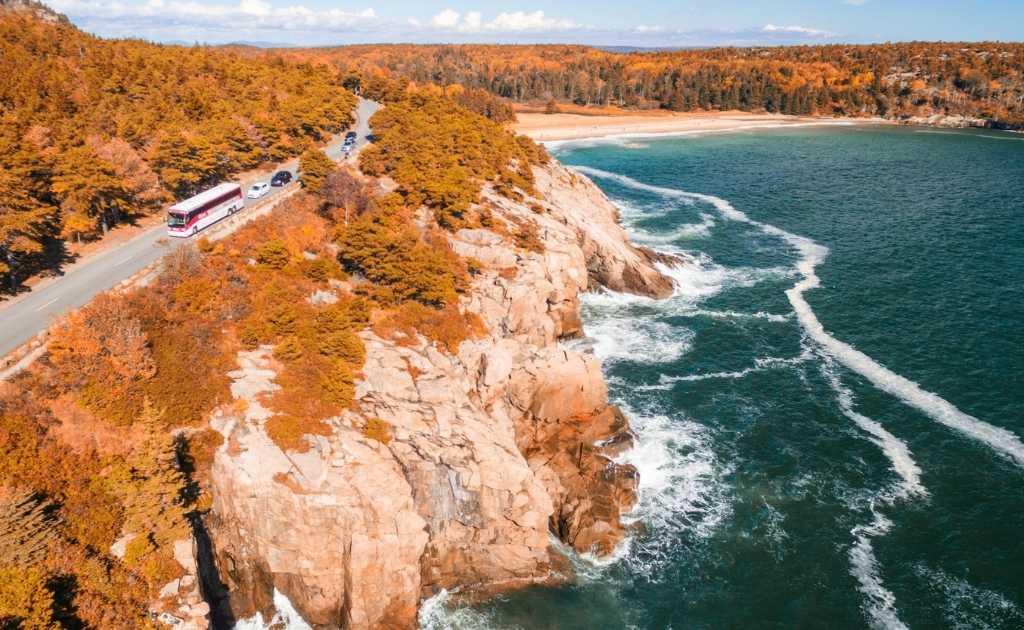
493	449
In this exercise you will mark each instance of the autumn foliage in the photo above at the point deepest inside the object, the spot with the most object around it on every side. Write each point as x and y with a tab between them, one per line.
984	80
96	132
440	154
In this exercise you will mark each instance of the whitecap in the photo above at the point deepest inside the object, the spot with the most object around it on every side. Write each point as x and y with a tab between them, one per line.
686	231
286	617
772	317
761	364
812	254
437	613
615	339
681	491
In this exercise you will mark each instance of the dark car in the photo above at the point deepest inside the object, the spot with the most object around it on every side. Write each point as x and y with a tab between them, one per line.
281	178
351	136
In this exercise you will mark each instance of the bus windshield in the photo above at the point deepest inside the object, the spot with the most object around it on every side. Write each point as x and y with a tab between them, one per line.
176	220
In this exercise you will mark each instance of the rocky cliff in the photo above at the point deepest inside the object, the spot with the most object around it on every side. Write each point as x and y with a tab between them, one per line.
494	448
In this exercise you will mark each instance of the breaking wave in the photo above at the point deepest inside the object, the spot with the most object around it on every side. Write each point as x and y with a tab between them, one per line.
811	255
286	617
682	494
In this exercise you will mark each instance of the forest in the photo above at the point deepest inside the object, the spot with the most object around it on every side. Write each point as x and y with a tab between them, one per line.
105	445
96	132
983	80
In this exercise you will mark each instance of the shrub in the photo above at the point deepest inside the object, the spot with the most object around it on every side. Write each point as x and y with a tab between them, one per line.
273	254
344	345
377	429
284	320
527	236
338	384
290	349
289	431
447	327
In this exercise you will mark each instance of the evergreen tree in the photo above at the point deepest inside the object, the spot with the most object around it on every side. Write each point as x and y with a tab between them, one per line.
314	166
155	485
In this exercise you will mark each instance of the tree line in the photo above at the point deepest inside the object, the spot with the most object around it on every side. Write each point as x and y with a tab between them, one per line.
984	80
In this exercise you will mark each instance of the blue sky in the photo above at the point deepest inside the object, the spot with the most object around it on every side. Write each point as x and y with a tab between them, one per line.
599	22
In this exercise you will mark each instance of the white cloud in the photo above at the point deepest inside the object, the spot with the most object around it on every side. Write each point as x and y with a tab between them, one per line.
802	30
855	3
506	22
287	22
185	14
448	18
535	21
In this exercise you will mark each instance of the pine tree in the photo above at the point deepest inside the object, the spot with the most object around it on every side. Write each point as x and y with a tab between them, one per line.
314	166
27	529
154	505
87	185
24	215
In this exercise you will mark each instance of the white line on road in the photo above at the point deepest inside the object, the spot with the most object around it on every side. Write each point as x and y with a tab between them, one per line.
118	264
47	304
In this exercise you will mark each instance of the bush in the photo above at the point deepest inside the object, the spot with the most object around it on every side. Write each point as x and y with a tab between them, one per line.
377	429
447	327
289	432
288	350
339	384
344	345
273	254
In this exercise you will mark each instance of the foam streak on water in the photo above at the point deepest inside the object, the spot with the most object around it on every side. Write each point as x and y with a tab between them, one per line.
881	603
811	255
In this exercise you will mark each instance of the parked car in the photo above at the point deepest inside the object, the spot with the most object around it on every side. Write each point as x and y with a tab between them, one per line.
281	178
346	148
351	136
257	190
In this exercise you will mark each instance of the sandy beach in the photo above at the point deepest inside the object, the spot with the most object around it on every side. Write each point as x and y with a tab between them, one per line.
561	127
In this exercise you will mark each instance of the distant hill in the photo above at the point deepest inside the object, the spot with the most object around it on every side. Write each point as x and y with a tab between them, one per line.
36	9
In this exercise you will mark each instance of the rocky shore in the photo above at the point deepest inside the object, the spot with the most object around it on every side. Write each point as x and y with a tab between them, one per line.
493	451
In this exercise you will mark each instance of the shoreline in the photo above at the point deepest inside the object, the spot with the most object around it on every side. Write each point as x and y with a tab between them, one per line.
561	128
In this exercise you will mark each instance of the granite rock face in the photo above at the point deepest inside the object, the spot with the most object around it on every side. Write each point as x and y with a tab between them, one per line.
495	448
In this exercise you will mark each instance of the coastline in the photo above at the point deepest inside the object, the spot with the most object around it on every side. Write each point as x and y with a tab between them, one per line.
557	128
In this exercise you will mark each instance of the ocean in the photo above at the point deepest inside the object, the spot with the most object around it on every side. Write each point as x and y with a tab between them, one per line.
830	410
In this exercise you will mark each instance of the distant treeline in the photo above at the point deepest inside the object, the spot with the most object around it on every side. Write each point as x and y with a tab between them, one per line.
94	132
983	80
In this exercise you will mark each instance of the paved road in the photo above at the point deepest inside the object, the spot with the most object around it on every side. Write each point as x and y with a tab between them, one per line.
23	319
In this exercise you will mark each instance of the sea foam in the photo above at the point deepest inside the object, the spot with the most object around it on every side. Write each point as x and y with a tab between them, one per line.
881	603
812	254
286	617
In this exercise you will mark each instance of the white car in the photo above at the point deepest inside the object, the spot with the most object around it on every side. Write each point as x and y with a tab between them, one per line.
257	190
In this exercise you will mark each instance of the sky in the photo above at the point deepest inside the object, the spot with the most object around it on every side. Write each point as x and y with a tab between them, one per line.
640	23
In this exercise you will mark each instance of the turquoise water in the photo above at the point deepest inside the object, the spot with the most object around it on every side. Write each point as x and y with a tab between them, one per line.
830	411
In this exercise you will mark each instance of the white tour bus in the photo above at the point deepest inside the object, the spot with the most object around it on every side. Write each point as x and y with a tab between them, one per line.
188	216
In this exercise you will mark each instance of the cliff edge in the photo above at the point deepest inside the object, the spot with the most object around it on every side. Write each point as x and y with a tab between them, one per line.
489	451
